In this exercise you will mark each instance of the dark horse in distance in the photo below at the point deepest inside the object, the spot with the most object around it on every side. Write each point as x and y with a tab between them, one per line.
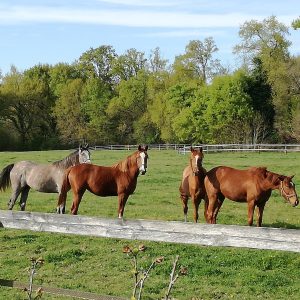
192	183
253	186
118	180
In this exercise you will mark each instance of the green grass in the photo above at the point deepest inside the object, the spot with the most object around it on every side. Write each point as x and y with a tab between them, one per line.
157	196
98	265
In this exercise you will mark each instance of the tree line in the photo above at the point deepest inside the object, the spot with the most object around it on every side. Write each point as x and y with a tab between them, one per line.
105	98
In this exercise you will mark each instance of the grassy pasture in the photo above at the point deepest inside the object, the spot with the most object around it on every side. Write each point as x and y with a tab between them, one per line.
157	196
98	265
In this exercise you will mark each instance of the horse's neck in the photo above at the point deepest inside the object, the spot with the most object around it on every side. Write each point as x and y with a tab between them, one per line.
128	168
133	171
67	162
271	182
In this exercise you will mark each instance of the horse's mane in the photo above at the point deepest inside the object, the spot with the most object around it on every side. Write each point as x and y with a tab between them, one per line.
68	161
125	164
258	169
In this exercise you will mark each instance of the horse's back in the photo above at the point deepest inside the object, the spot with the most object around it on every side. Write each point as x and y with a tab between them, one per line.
45	178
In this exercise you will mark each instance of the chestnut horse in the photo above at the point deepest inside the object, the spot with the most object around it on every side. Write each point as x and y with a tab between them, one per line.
118	180
192	183
253	186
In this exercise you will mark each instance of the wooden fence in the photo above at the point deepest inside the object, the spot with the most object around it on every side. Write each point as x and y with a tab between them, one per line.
172	231
183	148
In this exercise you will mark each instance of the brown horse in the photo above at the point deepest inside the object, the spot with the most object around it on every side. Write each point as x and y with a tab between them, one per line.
192	184
118	180
253	186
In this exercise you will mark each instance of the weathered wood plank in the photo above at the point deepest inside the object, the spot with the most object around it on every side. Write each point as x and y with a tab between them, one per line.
175	232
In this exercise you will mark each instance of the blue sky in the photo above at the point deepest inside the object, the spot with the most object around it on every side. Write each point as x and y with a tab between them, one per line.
53	31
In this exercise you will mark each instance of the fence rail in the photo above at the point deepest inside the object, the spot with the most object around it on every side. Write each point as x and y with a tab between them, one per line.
183	148
161	231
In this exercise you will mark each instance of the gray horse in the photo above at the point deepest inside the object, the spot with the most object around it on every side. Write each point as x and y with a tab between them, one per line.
45	178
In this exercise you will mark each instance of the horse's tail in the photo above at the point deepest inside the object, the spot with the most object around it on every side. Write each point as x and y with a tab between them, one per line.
63	192
5	177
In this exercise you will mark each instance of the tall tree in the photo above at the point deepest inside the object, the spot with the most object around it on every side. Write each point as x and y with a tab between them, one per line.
128	107
97	62
129	64
198	60
72	120
156	62
222	111
296	23
26	98
268	41
96	96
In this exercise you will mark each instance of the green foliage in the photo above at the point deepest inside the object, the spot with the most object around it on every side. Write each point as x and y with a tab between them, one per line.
221	108
70	117
127	98
128	107
97	63
296	23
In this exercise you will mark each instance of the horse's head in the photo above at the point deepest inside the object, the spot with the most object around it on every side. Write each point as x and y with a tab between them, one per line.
196	159
84	154
142	159
288	190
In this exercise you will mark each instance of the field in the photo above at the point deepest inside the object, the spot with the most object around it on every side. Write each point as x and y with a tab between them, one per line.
213	273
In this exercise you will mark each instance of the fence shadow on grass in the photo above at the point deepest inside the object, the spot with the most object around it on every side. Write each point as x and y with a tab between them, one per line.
280	224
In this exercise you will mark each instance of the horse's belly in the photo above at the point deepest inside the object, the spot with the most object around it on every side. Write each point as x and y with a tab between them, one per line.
43	185
235	195
47	188
104	194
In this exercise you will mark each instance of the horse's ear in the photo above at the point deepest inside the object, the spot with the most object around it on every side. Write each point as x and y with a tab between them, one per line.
201	149
192	149
146	148
140	148
80	147
86	146
292	176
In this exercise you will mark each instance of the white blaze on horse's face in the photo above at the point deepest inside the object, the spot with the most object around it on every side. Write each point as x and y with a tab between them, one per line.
143	166
84	156
197	161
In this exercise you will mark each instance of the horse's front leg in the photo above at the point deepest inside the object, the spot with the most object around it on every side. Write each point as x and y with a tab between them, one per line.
77	196
184	200
260	211
251	207
122	201
196	202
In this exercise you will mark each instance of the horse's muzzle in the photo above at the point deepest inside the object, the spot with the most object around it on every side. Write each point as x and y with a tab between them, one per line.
296	203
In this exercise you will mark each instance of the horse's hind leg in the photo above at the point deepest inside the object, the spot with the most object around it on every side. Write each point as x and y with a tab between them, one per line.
218	205
14	196
24	196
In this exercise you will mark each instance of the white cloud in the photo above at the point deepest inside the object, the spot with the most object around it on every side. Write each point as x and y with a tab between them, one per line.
186	33
144	3
132	18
